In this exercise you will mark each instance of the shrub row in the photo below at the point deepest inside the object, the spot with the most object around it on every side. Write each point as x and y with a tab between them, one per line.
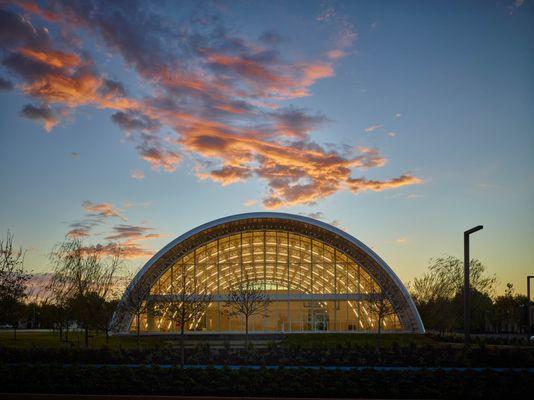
479	340
426	356
265	382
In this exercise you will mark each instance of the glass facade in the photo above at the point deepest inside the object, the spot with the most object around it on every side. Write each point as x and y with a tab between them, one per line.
312	286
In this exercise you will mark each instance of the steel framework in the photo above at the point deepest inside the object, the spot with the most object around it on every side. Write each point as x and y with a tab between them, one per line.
317	276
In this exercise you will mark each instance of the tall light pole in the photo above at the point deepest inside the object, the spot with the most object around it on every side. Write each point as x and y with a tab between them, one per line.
529	322
467	289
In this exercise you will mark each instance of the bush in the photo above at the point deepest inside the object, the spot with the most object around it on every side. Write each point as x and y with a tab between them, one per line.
265	382
425	356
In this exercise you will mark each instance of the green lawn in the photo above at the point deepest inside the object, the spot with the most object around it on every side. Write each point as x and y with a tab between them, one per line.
51	339
27	339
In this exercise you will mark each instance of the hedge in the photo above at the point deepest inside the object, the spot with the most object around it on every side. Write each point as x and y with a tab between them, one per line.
425	356
265	382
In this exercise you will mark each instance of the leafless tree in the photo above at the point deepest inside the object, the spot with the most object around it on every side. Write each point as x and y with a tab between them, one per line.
189	304
80	273
247	298
381	308
13	281
134	303
445	279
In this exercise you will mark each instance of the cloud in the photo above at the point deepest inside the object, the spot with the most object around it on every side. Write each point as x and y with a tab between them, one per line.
123	238
373	127
158	156
228	174
336	54
130	232
15	29
126	238
137	174
131	121
398	115
5	84
320	216
327	14
315	215
296	122
250	202
357	185
208	93
101	210
111	88
82	228
126	251
392	134
43	114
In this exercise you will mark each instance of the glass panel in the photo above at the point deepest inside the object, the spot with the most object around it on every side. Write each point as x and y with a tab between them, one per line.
303	276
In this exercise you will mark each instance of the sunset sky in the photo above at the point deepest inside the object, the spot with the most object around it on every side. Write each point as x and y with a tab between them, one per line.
403	123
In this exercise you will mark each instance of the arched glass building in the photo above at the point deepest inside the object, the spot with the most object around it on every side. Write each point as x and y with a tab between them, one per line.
317	277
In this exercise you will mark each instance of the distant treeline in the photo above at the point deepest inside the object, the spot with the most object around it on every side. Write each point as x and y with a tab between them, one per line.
439	297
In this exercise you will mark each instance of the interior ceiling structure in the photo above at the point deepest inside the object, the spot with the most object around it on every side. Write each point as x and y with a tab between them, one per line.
295	259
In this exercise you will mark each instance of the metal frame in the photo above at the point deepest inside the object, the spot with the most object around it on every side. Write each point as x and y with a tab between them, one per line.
341	241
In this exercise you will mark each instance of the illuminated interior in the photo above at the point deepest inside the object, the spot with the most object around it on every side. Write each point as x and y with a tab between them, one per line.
312	286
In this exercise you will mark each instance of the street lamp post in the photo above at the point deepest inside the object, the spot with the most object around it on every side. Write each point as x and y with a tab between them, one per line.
467	290
529	322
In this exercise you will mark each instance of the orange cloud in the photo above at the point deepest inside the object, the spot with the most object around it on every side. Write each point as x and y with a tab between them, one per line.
105	210
75	91
35	9
222	96
43	114
55	59
126	238
361	184
158	157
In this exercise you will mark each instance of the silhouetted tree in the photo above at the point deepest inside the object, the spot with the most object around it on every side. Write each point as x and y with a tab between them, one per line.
381	308
188	305
134	303
508	313
247	298
80	274
13	282
438	292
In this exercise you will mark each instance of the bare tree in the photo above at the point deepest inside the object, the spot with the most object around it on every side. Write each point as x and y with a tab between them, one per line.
445	279
247	298
188	305
81	273
381	308
134	303
13	282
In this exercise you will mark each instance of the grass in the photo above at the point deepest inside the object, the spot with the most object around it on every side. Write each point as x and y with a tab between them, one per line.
26	339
